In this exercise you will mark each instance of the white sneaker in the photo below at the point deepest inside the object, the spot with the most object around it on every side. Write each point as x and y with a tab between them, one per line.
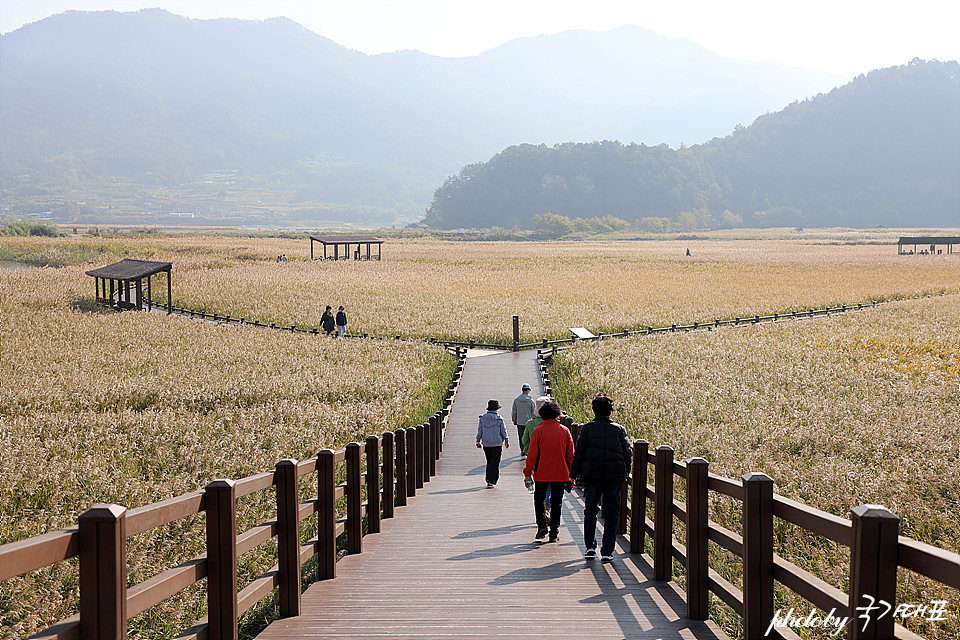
590	553
607	558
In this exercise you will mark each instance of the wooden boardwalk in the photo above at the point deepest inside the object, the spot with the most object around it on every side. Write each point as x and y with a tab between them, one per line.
460	560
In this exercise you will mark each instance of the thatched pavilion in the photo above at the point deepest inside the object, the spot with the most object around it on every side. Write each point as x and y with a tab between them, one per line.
346	241
121	275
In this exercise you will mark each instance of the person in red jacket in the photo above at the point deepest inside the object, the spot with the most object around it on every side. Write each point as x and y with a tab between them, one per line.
548	464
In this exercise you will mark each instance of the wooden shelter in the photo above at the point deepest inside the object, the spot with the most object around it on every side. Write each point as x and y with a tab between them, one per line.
346	242
126	275
927	241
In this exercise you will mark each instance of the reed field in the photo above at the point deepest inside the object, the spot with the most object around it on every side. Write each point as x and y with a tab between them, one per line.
132	408
459	290
857	408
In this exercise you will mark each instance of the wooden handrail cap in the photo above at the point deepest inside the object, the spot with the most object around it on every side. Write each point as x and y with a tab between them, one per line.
104	512
873	511
697	460
664	447
287	462
221	483
756	476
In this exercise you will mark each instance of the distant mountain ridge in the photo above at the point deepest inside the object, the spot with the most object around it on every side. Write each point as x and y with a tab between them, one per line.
155	96
881	150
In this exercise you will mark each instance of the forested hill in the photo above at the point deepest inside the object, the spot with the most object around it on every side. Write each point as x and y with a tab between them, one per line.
162	99
881	150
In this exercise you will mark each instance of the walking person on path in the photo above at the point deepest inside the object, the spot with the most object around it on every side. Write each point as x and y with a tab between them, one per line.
326	320
601	465
341	322
532	424
492	437
548	465
524	408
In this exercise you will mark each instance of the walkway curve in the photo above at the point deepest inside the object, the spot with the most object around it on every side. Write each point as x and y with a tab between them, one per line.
460	560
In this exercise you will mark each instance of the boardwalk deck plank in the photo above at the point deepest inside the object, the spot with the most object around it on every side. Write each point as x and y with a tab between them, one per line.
460	561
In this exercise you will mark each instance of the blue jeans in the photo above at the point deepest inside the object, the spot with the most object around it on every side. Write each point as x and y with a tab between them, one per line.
609	490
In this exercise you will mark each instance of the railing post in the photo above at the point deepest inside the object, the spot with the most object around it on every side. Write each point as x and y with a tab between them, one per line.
434	442
222	610
389	481
288	538
757	555
401	467
516	333
638	496
354	499
423	450
103	572
373	484
663	514
413	466
873	571
698	532
326	516
624	509
443	420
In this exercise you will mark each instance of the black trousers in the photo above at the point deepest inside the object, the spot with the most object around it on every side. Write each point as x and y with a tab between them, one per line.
493	455
556	500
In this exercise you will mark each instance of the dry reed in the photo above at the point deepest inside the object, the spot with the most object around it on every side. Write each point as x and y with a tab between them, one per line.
858	408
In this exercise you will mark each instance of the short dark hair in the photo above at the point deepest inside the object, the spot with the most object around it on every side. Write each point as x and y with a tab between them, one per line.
602	405
550	410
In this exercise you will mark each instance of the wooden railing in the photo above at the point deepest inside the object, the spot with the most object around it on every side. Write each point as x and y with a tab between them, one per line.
876	548
546	344
872	534
387	469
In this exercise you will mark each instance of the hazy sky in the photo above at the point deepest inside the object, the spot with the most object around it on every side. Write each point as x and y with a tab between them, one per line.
849	37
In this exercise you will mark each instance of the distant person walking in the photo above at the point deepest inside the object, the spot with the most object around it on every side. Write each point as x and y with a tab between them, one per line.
492	437
548	465
601	465
341	322
524	408
532	424
327	320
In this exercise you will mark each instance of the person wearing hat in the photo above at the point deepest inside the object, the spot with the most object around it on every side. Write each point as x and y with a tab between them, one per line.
492	437
524	409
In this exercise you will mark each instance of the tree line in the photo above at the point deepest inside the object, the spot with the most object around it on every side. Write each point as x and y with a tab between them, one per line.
881	150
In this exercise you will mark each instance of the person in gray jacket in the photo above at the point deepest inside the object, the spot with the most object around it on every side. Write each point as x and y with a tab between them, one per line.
492	437
602	463
524	410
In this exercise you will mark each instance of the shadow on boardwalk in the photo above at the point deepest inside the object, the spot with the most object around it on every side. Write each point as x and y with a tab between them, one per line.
460	560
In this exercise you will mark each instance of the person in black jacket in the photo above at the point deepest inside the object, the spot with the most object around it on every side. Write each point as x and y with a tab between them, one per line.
601	463
327	320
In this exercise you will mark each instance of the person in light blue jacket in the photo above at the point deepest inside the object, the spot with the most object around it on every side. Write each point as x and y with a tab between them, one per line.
492	437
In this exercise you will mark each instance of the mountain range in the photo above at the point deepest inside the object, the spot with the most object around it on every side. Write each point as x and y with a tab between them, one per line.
883	149
154	97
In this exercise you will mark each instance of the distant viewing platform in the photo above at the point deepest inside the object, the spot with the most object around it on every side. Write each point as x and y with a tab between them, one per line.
931	241
346	241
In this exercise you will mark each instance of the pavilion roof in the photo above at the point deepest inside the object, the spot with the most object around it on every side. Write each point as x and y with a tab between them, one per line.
129	269
347	239
929	240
